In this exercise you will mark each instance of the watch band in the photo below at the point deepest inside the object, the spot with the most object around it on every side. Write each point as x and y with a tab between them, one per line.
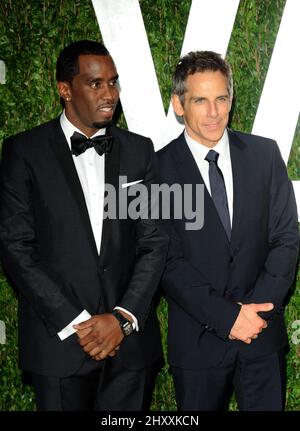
125	324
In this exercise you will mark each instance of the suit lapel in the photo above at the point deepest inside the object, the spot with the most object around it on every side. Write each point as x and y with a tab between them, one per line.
187	166
190	174
239	168
112	169
64	157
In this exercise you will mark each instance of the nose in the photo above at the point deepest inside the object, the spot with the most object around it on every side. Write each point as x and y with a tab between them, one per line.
109	93
212	109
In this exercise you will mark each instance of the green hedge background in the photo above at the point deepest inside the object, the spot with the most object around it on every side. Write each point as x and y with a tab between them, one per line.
33	32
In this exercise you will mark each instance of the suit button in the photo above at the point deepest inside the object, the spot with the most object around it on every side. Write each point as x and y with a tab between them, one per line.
231	259
102	270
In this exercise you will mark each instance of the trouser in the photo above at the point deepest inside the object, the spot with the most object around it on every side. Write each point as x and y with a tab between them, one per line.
259	383
109	387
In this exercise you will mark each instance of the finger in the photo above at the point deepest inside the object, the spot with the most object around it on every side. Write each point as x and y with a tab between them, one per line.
88	348
114	351
254	337
267	306
84	332
81	333
86	340
248	341
91	337
265	325
97	350
101	355
97	358
83	325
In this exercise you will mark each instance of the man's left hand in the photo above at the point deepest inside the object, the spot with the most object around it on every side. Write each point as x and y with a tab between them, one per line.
104	337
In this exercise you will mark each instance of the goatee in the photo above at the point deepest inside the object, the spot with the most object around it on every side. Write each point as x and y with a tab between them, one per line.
102	124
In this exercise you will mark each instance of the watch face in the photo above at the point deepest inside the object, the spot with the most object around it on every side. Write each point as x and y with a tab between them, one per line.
127	329
126	326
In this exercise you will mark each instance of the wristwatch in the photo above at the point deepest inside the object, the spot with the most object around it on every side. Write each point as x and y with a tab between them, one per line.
126	325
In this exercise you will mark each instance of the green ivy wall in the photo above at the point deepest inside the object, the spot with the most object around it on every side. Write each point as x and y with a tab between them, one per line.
33	32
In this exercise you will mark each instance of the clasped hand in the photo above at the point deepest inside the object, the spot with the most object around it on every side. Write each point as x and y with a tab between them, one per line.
248	323
100	336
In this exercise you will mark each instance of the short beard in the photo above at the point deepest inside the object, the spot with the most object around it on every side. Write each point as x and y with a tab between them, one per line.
102	124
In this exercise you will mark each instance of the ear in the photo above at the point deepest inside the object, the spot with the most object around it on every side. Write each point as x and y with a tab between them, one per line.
177	106
64	90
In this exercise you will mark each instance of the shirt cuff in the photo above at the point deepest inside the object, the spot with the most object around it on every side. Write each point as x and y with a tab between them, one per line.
135	322
69	330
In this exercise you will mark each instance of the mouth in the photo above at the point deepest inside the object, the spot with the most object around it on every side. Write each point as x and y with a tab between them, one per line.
212	126
108	109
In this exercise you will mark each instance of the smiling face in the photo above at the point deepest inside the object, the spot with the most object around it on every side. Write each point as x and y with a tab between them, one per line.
92	96
206	106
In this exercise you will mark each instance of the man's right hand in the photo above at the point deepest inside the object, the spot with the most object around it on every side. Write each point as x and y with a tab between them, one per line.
248	324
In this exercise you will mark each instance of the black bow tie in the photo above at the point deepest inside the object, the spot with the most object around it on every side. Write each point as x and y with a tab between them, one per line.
80	143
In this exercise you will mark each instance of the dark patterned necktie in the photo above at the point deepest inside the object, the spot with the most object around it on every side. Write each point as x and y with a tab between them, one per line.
80	143
218	191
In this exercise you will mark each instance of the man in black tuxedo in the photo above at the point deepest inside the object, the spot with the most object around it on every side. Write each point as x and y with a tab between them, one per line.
226	283
88	331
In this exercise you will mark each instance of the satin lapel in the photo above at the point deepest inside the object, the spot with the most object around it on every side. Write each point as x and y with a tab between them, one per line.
112	169
190	174
239	167
64	157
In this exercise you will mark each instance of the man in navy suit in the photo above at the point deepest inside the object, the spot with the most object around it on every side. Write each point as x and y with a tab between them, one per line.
88	332
226	283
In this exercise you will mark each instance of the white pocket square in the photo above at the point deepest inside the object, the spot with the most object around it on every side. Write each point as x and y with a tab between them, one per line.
131	184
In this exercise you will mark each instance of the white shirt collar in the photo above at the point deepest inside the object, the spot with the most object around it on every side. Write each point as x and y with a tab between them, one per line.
69	128
201	150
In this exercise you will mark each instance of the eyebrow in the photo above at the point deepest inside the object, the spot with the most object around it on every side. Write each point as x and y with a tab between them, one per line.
205	98
197	97
113	78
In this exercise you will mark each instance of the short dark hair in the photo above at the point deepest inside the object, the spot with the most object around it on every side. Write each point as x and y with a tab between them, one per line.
199	61
67	63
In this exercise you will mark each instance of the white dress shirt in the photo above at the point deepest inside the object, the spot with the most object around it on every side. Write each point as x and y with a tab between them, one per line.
90	168
200	151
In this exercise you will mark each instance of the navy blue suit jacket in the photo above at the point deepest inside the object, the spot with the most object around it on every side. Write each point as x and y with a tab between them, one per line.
206	275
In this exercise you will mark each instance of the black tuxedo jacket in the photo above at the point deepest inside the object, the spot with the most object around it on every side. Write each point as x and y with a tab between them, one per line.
48	249
206	275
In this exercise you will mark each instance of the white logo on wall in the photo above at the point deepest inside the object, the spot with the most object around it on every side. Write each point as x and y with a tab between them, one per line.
278	109
2	72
